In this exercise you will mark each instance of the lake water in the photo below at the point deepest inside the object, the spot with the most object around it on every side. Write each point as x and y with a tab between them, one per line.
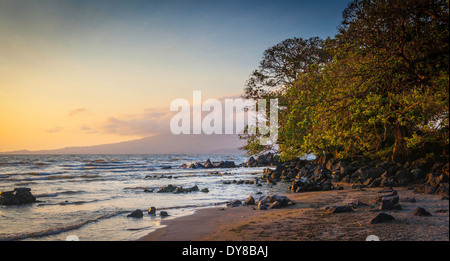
90	196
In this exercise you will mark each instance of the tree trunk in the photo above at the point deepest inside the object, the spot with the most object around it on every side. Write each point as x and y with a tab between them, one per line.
401	151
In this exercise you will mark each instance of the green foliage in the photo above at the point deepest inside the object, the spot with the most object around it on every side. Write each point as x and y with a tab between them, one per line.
384	92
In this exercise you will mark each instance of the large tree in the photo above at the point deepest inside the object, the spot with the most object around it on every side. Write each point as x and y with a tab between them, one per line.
279	68
384	92
391	61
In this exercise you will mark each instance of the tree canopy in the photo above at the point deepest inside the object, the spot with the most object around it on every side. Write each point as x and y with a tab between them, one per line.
379	87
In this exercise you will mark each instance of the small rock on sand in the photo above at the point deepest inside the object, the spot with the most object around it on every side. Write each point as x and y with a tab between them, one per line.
234	203
381	218
421	212
250	201
338	209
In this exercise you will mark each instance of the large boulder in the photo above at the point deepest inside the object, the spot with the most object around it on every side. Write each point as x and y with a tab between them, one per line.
262	205
282	201
403	177
338	209
329	164
225	164
421	163
136	214
193	165
381	218
388	205
167	189
152	211
261	160
418	174
425	188
208	164
17	197
366	173
234	203
421	212
251	162
443	189
250	201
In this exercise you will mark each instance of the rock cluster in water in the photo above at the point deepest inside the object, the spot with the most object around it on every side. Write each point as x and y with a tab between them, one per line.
427	176
268	159
17	197
174	189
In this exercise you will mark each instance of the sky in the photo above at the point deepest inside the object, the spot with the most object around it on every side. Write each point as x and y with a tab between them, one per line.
80	73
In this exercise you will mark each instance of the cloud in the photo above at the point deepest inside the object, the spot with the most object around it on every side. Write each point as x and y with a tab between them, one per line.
78	111
54	129
151	121
157	120
87	129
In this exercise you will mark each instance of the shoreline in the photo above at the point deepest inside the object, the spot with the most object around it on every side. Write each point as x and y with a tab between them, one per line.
307	221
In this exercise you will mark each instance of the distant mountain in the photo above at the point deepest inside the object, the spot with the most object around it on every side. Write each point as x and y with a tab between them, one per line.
159	144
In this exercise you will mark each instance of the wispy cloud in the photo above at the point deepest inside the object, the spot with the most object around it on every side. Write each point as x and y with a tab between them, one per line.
151	121
79	111
87	129
157	120
54	129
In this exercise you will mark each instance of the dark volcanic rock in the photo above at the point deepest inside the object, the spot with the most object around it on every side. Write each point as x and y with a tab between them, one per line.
163	214
425	188
421	212
443	189
225	164
366	173
403	177
152	211
174	189
262	205
418	174
388	205
275	204
251	162
274	201
410	200
356	204
208	164
136	214
306	185
390	199
283	201
17	197
234	203
250	201
338	209
194	165
169	188
381	218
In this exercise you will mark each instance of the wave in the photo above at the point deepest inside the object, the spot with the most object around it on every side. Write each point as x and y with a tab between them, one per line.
139	228
68	192
72	192
59	230
46	195
67	203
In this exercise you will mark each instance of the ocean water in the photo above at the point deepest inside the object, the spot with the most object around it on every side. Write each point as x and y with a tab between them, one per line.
90	196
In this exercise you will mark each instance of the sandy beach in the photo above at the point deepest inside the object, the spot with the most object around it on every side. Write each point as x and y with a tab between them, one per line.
306	220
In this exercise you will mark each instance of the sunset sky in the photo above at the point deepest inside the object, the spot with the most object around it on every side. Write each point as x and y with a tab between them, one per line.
77	73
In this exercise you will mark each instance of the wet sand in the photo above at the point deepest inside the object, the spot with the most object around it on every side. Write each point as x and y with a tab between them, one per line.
307	221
